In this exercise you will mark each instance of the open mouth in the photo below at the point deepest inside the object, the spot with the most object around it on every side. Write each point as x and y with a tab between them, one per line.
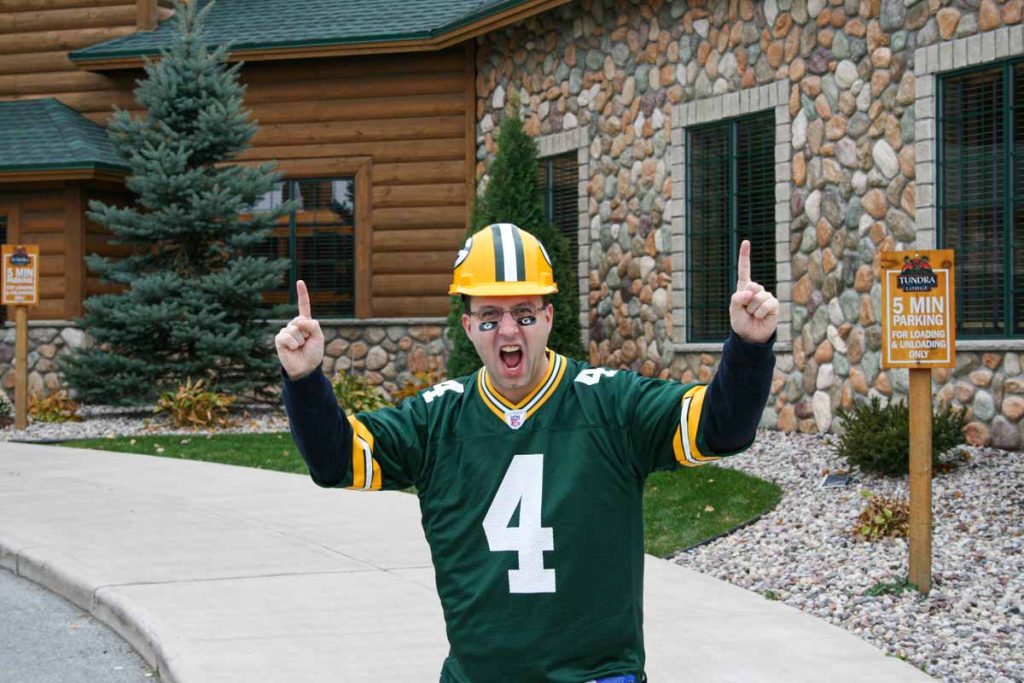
511	357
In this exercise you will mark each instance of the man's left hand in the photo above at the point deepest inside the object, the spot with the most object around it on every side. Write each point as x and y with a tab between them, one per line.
753	311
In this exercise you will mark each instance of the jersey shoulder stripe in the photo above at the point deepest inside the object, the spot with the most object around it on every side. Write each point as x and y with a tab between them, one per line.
366	474
684	443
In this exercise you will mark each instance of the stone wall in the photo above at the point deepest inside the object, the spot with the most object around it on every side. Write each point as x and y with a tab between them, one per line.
388	352
852	139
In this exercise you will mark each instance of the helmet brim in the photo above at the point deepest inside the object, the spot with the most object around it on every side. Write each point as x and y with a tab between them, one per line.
503	289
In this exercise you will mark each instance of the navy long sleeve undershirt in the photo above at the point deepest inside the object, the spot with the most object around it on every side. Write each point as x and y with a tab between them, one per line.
732	410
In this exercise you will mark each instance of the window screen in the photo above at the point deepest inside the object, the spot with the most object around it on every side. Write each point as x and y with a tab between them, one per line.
981	197
730	198
558	177
318	239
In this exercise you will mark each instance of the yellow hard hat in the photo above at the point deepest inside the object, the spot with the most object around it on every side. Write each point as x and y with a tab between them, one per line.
502	260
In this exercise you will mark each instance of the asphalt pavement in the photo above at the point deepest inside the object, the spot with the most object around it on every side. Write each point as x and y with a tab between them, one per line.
46	639
217	573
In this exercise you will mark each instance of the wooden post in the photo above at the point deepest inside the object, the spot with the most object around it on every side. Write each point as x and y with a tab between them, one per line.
20	367
921	478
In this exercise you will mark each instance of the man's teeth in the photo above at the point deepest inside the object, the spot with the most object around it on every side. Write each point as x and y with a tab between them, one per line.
509	349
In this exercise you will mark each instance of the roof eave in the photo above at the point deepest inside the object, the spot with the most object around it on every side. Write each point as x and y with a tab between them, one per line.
49	172
445	38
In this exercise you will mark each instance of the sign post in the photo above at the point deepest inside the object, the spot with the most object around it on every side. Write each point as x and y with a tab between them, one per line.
919	333
19	266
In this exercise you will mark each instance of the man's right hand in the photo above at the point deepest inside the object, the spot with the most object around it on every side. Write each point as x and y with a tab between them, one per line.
300	343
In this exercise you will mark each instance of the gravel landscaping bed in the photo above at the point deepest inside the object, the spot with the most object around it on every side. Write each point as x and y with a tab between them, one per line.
105	421
969	628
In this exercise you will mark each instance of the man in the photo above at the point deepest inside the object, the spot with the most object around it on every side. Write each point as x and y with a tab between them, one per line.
530	472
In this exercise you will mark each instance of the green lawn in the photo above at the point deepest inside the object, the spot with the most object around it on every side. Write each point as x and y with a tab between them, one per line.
681	509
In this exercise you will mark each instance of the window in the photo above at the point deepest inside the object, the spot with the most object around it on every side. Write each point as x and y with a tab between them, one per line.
981	196
730	198
558	177
318	239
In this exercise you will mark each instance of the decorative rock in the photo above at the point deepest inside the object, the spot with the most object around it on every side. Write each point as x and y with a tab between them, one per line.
976	434
983	406
948	18
981	377
799	130
902	225
846	74
893	14
1013	407
846	152
822	408
989	18
1005	434
812	207
874	203
885	158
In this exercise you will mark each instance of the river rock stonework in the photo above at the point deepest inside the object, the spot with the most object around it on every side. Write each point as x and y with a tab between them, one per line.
389	353
849	166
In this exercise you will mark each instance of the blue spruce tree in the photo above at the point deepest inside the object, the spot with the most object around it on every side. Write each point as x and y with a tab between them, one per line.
189	298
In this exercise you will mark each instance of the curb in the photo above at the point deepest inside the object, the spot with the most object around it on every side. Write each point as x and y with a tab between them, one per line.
110	612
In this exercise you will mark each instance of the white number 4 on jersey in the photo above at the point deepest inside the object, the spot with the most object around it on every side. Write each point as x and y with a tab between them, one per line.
522	487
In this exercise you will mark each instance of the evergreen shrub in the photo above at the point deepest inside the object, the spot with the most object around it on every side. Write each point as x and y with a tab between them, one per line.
513	196
876	438
185	298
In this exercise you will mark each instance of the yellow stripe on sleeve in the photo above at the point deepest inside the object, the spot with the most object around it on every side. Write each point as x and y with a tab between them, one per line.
366	474
685	442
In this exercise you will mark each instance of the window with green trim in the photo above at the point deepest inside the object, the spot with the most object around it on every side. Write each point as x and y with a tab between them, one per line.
558	177
730	197
981	196
318	239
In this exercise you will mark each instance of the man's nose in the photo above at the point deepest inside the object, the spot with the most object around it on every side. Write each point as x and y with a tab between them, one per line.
507	324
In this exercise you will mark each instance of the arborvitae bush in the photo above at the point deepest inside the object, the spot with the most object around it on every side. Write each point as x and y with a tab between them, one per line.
513	196
876	438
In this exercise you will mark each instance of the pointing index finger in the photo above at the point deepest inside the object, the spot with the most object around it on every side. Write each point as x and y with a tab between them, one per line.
303	296
743	267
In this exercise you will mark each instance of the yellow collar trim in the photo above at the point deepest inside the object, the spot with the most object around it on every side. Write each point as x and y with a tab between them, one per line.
500	406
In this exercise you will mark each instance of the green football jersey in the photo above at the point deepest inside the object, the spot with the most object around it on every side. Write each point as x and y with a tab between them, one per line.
533	511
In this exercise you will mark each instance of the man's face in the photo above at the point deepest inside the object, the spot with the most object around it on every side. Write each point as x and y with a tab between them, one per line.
513	353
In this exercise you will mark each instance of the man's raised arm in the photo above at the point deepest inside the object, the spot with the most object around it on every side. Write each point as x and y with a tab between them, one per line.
318	425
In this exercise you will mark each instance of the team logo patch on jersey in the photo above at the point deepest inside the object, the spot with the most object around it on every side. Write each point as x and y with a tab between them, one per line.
515	418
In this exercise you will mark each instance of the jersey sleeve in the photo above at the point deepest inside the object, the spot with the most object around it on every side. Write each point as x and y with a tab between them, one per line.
665	423
388	447
710	421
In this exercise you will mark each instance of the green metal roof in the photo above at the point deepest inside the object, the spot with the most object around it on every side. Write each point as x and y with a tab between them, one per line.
270	24
44	135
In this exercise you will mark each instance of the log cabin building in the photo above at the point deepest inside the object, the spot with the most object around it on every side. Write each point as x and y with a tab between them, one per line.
826	131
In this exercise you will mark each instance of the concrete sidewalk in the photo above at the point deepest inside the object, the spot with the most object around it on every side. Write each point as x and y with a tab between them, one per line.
218	573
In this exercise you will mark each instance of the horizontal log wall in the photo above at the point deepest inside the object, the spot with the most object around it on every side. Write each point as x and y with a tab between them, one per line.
35	37
39	215
406	114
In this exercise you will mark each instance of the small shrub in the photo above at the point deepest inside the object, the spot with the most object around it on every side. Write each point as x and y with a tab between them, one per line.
57	407
356	394
423	379
884	516
6	412
194	405
876	438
